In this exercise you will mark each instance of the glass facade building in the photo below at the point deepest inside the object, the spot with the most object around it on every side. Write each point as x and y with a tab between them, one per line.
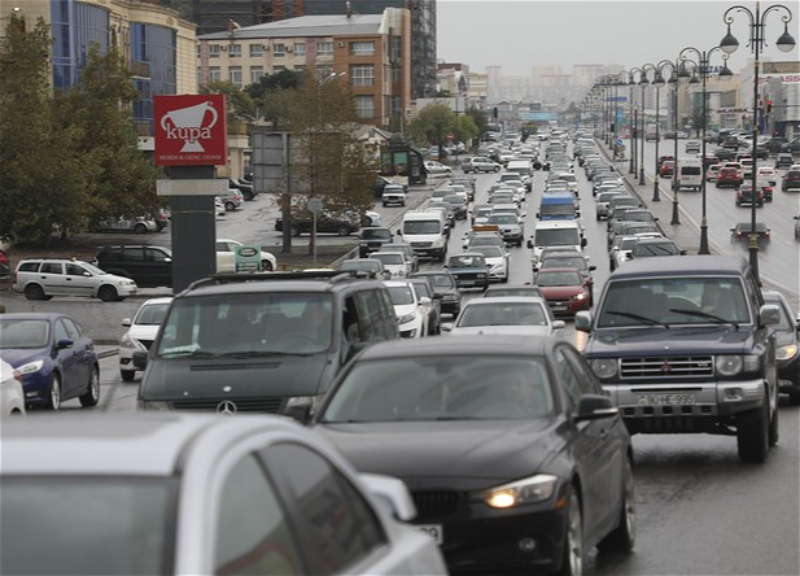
75	26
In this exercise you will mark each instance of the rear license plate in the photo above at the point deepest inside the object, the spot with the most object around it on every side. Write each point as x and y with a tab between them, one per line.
432	530
666	399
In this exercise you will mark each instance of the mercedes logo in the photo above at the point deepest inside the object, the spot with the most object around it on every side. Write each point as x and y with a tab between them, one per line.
226	408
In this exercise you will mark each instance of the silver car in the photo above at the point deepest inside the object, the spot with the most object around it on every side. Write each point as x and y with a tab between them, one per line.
176	493
511	315
140	225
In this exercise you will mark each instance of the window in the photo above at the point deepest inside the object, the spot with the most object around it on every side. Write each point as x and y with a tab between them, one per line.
75	270
52	268
154	255
213	50
256	50
362	48
332	515
235	75
253	535
569	379
276	69
199	50
279	49
300	49
365	106
235	50
214	74
256	73
73	329
325	48
60	332
362	74
132	255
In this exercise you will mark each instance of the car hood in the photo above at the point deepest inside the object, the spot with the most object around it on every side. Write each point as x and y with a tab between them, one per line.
403	309
713	339
195	379
143	331
491	450
560	291
509	330
16	357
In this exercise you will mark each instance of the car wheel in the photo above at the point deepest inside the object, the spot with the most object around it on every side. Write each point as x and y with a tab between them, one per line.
294	230
752	435
230	206
54	399
497	168
385	204
248	196
107	293
343	230
127	375
92	395
266	266
34	292
573	554
623	537
140	229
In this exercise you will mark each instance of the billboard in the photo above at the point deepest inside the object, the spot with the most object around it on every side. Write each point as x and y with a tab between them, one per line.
190	130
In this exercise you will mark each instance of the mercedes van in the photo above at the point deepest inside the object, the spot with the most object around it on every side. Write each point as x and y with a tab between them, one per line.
561	233
426	232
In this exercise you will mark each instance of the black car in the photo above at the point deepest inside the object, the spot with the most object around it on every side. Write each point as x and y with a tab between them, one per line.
515	458
747	195
246	188
743	230
787	351
469	270
372	239
784	160
148	266
792	147
325	225
725	154
444	289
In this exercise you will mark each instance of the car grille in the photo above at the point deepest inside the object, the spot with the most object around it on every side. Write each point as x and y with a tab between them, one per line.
437	503
421	244
678	367
271	405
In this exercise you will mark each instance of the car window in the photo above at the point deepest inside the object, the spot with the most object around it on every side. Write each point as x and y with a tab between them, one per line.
52	268
568	378
253	535
75	270
152	255
132	254
73	331
337	525
586	379
60	332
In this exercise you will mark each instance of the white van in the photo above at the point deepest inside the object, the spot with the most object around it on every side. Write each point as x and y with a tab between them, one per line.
525	169
690	175
426	233
566	233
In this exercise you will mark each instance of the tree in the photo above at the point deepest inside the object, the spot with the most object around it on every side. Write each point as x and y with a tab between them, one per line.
273	95
241	106
696	119
431	125
480	118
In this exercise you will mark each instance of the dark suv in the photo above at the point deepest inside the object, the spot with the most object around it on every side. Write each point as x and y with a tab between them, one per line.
231	344
684	344
148	266
372	239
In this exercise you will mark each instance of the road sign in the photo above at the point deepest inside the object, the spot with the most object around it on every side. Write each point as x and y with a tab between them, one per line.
315	205
190	130
247	259
619	142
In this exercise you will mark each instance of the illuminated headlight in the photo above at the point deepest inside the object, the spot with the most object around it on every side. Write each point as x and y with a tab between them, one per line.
152	406
528	491
786	352
29	368
604	368
580	296
127	342
406	318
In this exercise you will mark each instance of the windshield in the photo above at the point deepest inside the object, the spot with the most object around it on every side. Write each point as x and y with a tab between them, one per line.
259	323
564	262
440	280
502	219
558	279
401	295
456	387
557	210
102	526
489	251
16	334
413	227
387	258
656	249
558	237
467	262
93	269
674	301
151	314
517	314
376	234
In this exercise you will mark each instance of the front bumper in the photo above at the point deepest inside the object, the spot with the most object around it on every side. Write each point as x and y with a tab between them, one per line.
123	291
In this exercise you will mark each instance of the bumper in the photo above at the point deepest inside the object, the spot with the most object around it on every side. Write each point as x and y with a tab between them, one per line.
789	373
451	307
472	282
124	291
567	308
36	388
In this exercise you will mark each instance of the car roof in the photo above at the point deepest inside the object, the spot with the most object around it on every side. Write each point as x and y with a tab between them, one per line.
155	301
33	316
691	265
466	345
504	300
327	280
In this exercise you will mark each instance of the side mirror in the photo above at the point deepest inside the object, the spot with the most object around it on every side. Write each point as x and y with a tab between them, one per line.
583	321
424	301
447	326
558	324
126	322
592	268
64	343
399	232
629	256
530	244
583	242
769	314
300	411
682	252
596	406
140	359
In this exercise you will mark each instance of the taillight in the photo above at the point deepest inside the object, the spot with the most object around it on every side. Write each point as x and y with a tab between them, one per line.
766	233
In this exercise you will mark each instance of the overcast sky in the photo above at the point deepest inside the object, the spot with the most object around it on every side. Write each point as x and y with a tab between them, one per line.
518	34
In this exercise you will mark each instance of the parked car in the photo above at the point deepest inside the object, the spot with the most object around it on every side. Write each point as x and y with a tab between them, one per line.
53	358
43	278
139	225
246	188
12	396
274	498
140	334
435	168
226	256
787	350
480	164
233	199
791	147
148	266
326	224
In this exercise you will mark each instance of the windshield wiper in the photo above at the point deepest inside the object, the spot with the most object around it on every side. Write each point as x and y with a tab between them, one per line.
639	317
700	314
188	354
448	418
260	354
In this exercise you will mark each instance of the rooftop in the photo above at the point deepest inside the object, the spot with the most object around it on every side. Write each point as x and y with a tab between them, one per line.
305	26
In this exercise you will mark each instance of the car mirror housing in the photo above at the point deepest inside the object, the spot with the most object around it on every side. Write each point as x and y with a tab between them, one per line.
596	406
769	314
64	343
140	359
126	322
583	321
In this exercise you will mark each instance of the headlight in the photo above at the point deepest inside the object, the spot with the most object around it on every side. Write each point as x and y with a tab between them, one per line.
786	352
29	368
481	275
604	368
498	267
728	364
127	342
154	406
406	318
527	491
580	296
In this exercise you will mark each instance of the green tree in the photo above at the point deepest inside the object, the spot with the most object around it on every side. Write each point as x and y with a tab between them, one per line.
241	106
480	118
273	96
431	125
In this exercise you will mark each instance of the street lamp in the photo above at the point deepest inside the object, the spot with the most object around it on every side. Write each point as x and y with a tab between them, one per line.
674	79
632	82
703	68
658	82
729	44
643	82
626	79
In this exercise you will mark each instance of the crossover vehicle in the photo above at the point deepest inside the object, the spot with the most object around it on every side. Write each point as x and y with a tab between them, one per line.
148	266
410	307
140	334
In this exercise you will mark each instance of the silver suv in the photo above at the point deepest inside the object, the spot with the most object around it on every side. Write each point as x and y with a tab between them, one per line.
43	278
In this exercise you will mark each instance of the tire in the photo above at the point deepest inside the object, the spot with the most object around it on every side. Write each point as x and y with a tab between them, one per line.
230	206
54	399
34	292
294	230
623	537
92	395
127	375
752	435
774	429
266	266
385	204
497	169
140	229
343	230
573	555
107	293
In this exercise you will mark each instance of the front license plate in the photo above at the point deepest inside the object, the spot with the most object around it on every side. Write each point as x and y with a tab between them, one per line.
666	399
432	530
558	308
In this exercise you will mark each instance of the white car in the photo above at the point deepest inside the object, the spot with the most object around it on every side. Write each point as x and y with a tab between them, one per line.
12	397
410	308
226	256
219	206
178	493
141	333
769	174
496	261
621	249
43	278
511	315
437	168
398	265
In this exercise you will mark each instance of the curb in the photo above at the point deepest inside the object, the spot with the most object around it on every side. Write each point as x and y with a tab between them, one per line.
107	353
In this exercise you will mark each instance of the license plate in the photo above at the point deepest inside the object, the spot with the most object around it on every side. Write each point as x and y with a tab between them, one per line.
666	399
558	308
432	530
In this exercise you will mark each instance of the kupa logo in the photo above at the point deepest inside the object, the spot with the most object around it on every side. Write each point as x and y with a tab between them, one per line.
190	125
190	130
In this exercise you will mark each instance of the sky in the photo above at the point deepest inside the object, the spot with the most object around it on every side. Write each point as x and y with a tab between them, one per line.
518	34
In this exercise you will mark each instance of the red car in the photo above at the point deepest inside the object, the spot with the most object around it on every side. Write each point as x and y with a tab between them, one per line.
729	177
666	168
566	290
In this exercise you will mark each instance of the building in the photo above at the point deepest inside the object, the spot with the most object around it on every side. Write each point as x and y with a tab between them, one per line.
372	50
216	15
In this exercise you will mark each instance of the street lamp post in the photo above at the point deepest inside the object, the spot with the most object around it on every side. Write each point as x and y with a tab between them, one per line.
729	44
626	79
674	79
658	82
643	82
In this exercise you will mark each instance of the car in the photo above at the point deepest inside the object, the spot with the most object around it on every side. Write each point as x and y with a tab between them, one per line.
796	227
480	164
660	343
457	205
140	334
467	181
396	263
326	224
566	290
219	207
266	482
233	199
52	357
444	289
246	188
140	225
148	266
410	308
692	147
381	182
509	315
784	160
787	346
496	261
422	287
372	238
437	168
469	270
487	235
43	278
621	248
555	259
768	174
12	396
498	439
791	147
653	247
742	230
602	205
393	194
631	228
524	290
746	195
406	249
479	215
711	172
667	168
226	256
727	177
369	266
791	181
651	136
510	226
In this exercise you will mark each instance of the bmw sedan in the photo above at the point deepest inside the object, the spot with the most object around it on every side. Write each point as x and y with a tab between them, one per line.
514	456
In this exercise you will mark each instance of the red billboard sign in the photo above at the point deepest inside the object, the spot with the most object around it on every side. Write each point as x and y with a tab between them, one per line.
190	130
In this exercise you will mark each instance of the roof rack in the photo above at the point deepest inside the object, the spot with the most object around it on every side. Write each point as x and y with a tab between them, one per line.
332	276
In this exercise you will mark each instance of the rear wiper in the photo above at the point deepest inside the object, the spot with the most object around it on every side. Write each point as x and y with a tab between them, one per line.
639	317
700	314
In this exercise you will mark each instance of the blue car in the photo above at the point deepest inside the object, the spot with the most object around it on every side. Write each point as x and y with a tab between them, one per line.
56	361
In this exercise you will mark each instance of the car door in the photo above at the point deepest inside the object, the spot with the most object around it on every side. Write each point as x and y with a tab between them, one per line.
131	261
68	361
157	267
51	275
82	352
225	257
79	280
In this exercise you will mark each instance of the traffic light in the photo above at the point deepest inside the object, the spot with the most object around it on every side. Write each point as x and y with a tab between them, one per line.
494	112
769	106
